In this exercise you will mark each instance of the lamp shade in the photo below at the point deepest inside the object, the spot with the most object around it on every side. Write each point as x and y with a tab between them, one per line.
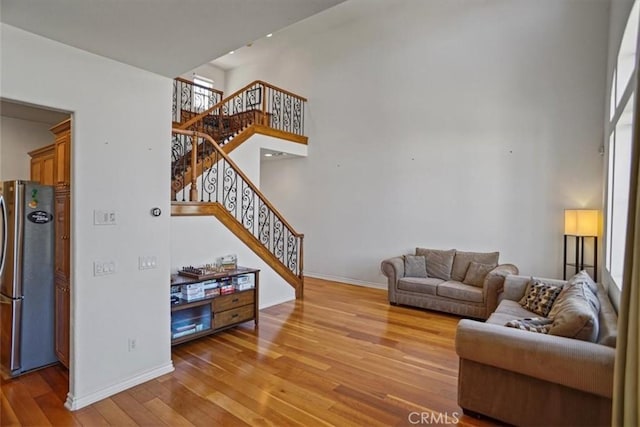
581	222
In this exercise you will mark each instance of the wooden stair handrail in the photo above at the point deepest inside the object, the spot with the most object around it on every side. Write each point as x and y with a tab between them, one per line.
237	169
286	92
205	113
180	79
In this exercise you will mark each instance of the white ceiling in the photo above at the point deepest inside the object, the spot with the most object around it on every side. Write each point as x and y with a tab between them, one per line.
282	39
34	114
168	37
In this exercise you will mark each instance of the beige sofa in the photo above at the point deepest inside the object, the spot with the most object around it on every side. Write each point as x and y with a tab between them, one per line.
528	378
444	290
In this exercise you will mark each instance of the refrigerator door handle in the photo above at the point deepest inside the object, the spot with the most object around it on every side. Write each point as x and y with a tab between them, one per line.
3	244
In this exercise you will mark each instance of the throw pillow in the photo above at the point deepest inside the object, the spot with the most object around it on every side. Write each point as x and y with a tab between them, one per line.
476	273
438	262
583	277
539	297
577	314
532	324
415	266
463	259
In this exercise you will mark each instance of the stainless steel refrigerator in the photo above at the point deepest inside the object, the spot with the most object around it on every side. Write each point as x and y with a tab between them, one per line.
27	256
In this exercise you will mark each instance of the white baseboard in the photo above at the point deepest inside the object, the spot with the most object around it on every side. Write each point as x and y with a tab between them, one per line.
277	301
347	280
73	403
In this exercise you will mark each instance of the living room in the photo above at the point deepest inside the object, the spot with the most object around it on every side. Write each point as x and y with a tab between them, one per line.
474	127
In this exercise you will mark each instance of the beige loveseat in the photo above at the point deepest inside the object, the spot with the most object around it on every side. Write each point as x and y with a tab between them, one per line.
444	288
528	378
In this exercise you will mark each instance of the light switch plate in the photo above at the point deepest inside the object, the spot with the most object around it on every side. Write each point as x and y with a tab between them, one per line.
101	217
102	268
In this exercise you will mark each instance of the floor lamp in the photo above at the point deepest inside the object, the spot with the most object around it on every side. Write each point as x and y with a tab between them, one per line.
581	223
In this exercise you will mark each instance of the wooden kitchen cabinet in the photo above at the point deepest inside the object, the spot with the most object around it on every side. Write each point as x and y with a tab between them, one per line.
43	165
62	321
62	183
62	132
62	231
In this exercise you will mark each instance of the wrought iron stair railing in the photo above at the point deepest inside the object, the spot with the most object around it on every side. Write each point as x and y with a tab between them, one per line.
191	99
257	103
223	190
258	107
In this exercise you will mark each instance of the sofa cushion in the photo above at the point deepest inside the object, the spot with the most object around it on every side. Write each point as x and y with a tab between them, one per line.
576	314
415	266
513	309
439	262
500	318
459	291
531	324
463	259
539	297
426	285
476	273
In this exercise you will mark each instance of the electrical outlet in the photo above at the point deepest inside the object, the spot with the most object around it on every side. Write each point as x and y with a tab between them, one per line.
147	262
102	268
132	344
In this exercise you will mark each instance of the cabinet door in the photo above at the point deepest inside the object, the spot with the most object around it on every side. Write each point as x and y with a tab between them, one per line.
62	316
62	159
46	177
62	152
43	165
62	231
36	169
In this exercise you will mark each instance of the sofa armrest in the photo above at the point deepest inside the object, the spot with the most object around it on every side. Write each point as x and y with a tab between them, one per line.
569	362
393	268
494	283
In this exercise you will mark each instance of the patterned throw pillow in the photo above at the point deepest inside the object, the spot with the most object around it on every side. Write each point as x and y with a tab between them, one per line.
533	324
539	297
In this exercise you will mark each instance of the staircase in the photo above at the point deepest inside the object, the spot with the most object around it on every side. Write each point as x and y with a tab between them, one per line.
205	181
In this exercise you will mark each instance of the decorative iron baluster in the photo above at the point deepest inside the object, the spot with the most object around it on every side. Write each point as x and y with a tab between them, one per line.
229	195
278	239
292	252
264	221
247	206
297	116
174	101
276	118
185	100
209	183
286	116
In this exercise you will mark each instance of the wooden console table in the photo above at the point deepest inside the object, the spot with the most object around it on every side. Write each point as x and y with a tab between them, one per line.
213	312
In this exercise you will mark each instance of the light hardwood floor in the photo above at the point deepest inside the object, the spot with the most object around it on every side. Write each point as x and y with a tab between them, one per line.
343	356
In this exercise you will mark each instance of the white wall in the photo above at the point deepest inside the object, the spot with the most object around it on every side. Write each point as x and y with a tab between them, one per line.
209	71
248	155
17	138
120	161
444	124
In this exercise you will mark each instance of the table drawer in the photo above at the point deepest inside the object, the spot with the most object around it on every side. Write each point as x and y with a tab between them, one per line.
230	317
228	302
